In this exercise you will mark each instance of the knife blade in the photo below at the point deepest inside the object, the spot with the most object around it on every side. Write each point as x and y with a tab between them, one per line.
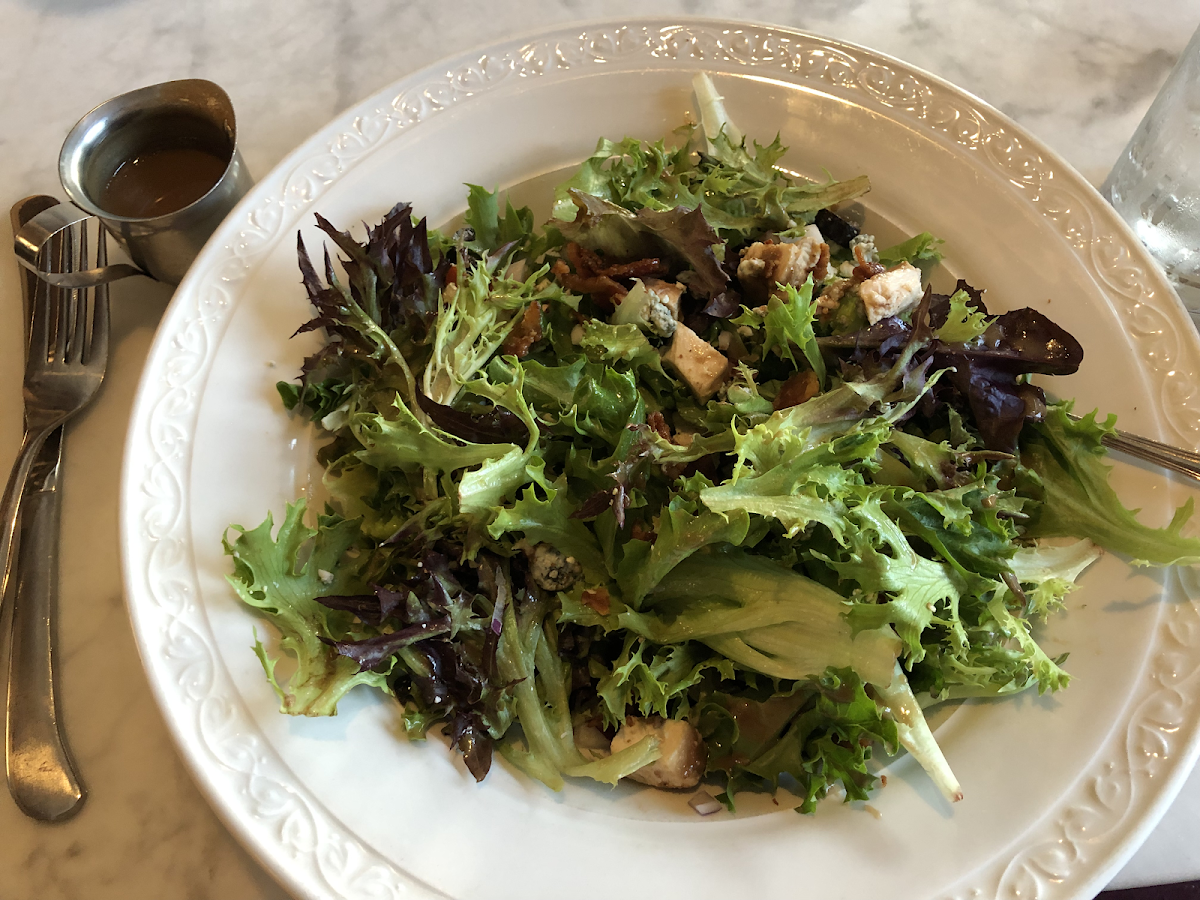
41	773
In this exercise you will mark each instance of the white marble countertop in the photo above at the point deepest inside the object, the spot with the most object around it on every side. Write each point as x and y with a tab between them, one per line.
1077	74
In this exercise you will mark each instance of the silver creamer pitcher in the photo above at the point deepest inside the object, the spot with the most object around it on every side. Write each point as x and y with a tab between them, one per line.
160	168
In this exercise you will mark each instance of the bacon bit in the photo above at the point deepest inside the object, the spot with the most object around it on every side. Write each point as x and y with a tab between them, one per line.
801	387
865	268
560	268
452	274
656	421
883	781
597	599
594	275
585	261
867	271
638	268
589	262
526	333
603	289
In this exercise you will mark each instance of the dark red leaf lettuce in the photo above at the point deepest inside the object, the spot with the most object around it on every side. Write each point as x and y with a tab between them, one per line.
988	382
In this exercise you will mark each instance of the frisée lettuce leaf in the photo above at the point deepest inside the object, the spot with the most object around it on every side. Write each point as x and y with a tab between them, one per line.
1067	457
268	574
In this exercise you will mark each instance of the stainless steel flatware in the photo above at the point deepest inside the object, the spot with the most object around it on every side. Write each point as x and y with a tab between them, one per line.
1185	462
68	353
41	773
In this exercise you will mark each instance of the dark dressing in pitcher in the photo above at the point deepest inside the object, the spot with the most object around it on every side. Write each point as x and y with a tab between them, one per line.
161	181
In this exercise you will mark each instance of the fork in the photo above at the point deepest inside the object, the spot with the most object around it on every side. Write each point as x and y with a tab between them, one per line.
68	353
1177	459
42	776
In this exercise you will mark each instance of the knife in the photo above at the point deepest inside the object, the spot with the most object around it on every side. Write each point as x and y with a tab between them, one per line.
41	773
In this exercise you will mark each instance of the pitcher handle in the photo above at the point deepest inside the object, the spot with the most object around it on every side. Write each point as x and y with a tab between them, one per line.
38	232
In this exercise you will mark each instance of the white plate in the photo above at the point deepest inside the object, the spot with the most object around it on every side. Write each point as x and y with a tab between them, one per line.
1059	790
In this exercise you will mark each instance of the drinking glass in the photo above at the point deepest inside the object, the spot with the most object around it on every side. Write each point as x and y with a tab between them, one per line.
1155	184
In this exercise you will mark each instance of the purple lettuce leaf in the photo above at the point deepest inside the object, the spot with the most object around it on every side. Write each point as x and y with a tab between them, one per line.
988	381
496	426
370	652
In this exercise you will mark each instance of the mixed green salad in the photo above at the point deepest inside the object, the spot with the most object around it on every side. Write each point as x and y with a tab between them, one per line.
691	484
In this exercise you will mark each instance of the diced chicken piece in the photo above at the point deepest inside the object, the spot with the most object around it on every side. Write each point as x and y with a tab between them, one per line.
891	293
764	266
697	362
683	758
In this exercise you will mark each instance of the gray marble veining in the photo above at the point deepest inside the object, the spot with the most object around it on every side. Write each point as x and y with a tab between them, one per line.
1077	74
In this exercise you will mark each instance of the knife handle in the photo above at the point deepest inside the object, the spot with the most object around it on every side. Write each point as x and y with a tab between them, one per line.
41	773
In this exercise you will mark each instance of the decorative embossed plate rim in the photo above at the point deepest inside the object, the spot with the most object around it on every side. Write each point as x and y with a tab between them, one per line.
1078	844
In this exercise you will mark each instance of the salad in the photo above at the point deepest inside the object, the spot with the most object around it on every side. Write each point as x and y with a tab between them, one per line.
692	484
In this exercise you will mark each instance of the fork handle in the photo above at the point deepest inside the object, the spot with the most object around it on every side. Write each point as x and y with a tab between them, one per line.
10	506
1185	462
41	773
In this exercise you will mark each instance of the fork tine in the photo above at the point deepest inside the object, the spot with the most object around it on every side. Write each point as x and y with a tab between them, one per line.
41	316
77	337
62	322
98	346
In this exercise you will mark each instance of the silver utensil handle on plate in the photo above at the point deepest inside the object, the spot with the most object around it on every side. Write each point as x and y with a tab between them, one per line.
41	773
1185	462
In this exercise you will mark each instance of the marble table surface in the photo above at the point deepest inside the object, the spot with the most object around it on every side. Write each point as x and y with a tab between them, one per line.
1076	73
